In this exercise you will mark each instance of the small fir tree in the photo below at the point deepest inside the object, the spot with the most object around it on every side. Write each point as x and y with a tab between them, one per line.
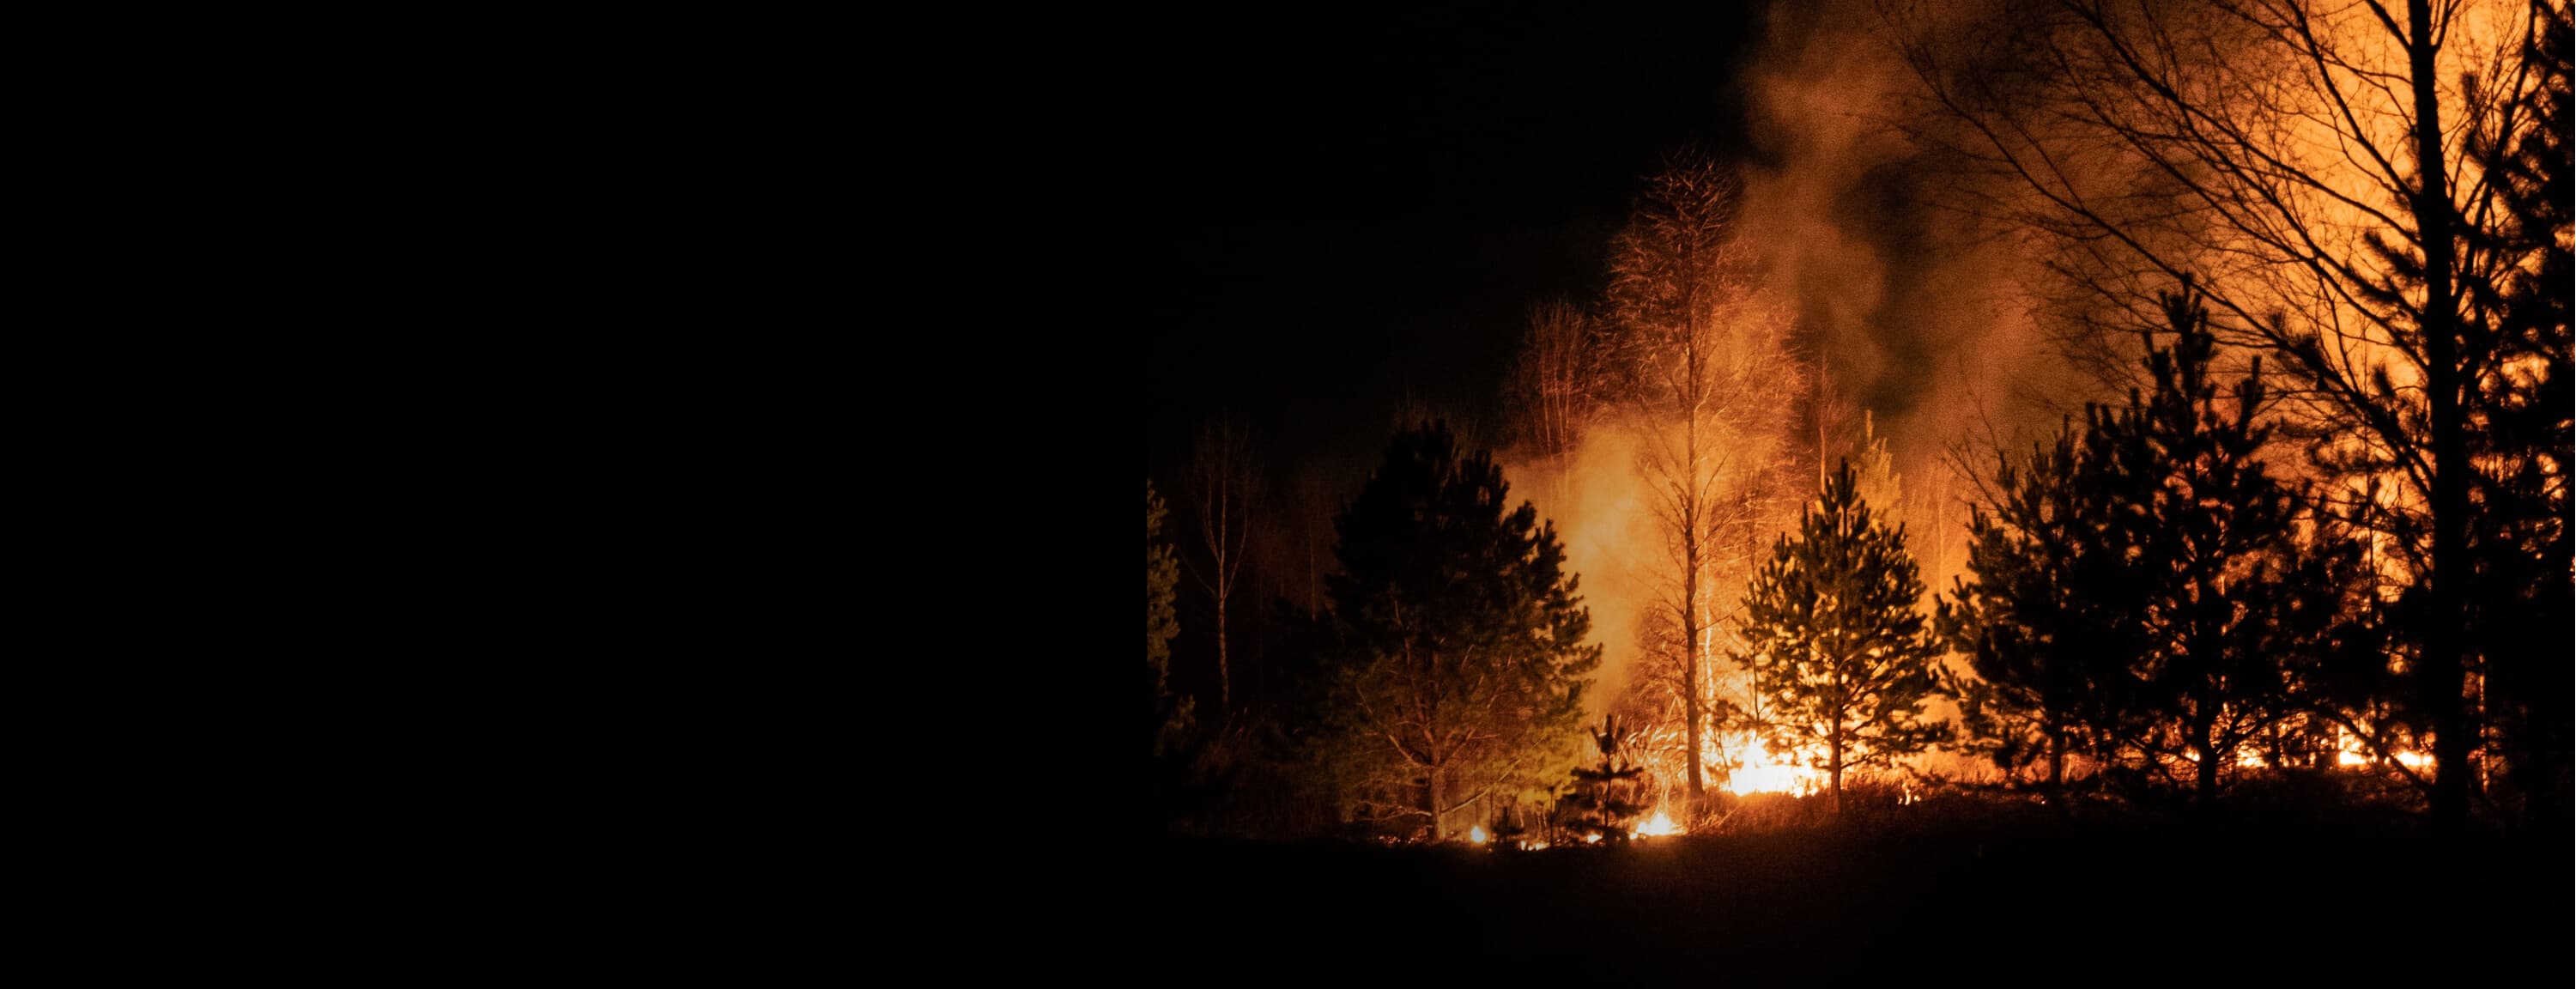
1605	799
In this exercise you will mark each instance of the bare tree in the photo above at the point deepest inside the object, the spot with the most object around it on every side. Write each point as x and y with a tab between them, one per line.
1224	485
1705	371
2313	162
1557	384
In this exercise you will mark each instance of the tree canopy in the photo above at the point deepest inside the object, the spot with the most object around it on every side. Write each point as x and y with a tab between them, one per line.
1466	658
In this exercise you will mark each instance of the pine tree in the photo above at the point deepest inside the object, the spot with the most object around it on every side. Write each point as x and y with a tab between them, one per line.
2320	163
1837	638
2236	607
2034	617
2527	408
1466	660
1605	800
2147	589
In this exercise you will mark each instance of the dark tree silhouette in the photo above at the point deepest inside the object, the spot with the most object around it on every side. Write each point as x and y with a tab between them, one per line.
1605	800
1838	643
2310	158
1464	636
2037	617
2148	588
2524	546
2237	610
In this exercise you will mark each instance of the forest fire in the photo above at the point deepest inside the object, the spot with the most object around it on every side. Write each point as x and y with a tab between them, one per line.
1755	770
2015	467
1754	509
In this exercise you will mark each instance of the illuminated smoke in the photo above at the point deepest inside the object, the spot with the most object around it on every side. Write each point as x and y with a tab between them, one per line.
1921	312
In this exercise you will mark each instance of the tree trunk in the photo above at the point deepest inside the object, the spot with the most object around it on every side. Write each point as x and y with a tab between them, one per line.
1835	764
1690	569
2443	669
1224	681
1434	792
1690	663
2206	782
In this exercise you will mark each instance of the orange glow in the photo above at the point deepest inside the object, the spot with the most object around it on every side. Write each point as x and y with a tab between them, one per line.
1754	770
1658	826
2353	753
2350	752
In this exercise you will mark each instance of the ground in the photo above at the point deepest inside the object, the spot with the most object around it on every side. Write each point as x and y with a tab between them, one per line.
2163	902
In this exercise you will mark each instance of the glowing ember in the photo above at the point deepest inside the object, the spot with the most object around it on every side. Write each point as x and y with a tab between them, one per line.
1476	834
1591	839
1658	826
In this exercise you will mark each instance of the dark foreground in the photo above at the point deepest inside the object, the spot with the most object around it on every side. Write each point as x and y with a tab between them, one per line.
2162	903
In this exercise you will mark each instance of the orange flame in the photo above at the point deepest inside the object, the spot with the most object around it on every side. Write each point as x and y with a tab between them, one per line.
1757	771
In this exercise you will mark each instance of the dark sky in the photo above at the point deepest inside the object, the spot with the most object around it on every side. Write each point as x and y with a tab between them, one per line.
1346	211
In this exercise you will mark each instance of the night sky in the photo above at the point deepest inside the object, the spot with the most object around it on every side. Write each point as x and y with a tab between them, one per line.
1345	212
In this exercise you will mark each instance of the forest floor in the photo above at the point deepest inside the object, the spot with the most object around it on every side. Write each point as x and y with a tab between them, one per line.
2162	902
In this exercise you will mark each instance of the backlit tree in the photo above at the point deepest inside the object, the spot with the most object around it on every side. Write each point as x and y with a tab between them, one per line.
1465	654
2319	166
1707	383
1836	637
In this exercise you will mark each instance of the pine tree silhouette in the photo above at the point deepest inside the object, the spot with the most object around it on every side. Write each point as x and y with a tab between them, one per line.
1604	802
